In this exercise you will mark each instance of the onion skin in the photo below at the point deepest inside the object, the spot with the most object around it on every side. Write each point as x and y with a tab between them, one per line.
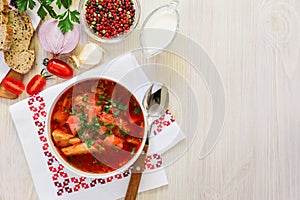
53	41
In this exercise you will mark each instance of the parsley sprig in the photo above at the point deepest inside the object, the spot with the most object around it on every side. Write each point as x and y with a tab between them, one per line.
66	19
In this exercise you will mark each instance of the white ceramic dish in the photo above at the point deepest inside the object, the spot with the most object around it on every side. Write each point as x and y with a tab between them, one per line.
72	168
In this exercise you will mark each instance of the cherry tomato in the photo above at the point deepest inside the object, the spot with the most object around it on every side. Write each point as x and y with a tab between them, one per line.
13	85
59	68
37	83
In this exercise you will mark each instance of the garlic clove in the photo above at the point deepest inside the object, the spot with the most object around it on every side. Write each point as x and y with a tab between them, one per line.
74	62
90	55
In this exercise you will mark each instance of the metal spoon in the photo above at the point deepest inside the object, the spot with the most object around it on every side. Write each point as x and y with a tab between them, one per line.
156	101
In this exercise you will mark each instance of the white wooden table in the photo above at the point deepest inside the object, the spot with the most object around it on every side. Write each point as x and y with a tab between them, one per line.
255	46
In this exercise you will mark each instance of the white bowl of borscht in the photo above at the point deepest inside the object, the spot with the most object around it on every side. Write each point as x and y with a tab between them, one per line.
96	127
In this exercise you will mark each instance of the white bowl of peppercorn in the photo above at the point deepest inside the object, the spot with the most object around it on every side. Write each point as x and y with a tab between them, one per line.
109	21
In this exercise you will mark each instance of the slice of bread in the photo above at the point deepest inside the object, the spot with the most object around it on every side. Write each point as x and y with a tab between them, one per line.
19	58
23	30
21	62
6	33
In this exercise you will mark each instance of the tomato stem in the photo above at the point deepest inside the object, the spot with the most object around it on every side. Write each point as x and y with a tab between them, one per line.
44	73
48	77
46	61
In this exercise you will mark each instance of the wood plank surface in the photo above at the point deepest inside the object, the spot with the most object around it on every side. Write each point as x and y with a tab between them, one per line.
7	94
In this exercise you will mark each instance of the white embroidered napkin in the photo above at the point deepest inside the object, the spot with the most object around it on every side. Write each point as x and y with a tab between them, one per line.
51	179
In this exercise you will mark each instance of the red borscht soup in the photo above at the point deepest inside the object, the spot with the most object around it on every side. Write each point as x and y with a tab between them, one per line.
97	126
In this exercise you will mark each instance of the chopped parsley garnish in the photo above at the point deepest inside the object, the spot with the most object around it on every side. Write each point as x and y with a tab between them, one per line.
110	125
85	98
103	123
90	142
83	117
122	131
137	111
133	150
117	113
101	97
122	107
73	111
108	132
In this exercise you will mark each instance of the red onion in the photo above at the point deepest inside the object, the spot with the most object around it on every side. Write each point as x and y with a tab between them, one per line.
53	41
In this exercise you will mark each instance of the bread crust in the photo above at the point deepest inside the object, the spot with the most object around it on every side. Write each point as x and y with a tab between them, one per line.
4	9
6	33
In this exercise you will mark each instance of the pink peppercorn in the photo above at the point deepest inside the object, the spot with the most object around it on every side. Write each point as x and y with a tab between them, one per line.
107	18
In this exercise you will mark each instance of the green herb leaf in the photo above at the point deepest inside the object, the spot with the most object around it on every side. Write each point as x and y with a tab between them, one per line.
50	10
65	24
122	131
47	2
66	19
58	3
66	3
61	16
95	120
74	15
133	150
83	117
117	113
122	107
111	126
137	111
90	142
102	97
42	12
73	111
108	132
23	4
103	123
31	4
85	98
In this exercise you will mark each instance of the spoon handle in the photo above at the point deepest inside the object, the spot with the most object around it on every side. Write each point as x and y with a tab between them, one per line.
136	175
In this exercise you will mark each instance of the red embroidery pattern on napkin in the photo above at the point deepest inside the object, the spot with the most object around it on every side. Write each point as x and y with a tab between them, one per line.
67	182
153	162
166	120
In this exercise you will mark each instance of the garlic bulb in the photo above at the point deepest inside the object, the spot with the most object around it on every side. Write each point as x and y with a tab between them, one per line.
90	55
